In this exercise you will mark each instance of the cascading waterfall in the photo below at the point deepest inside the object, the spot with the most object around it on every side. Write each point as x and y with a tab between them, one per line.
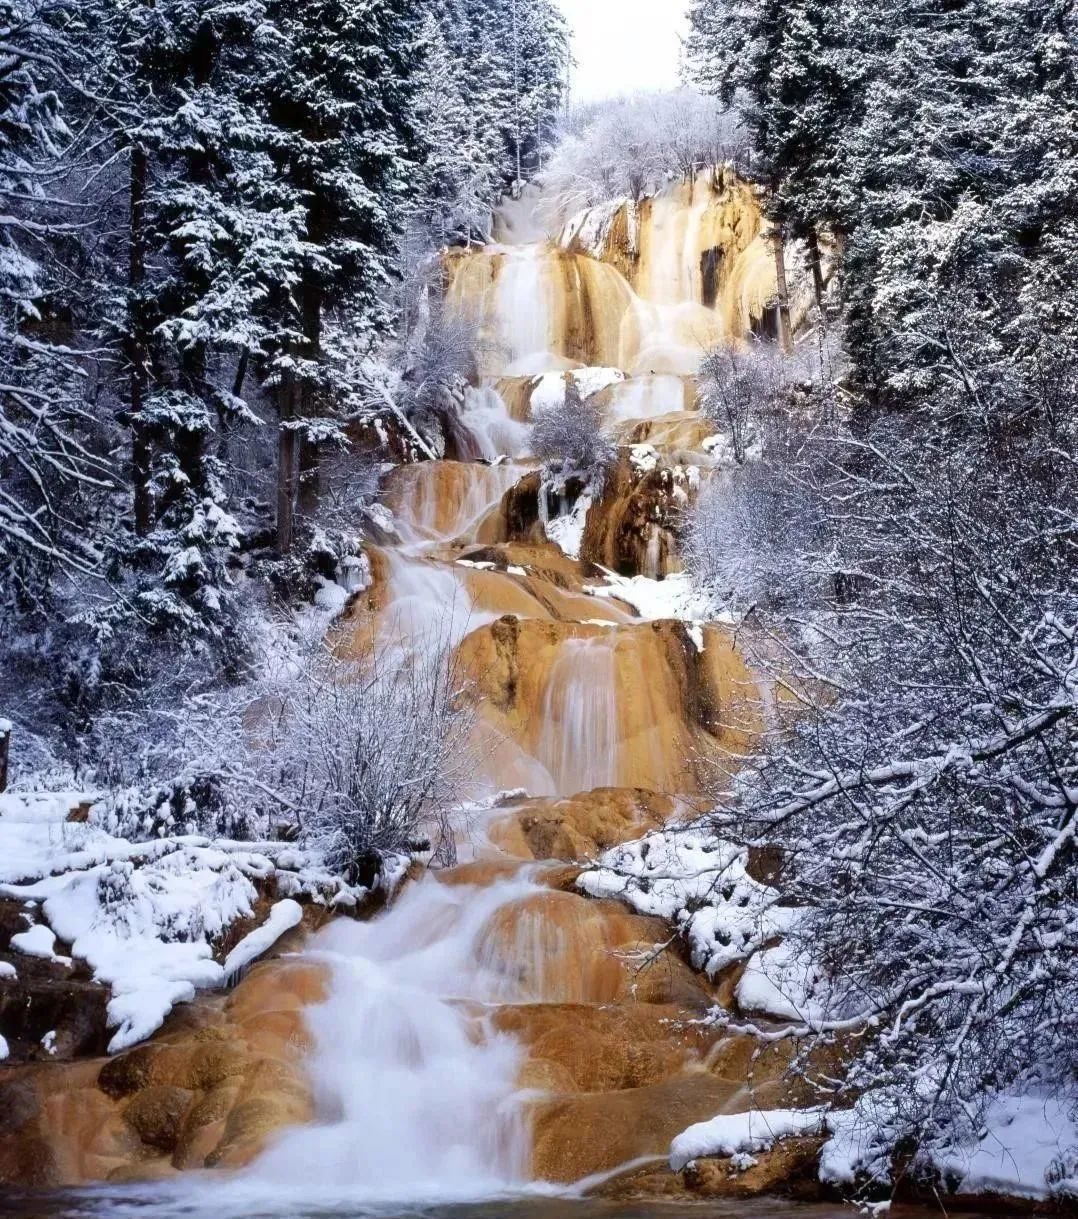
448	501
578	726
417	1093
486	429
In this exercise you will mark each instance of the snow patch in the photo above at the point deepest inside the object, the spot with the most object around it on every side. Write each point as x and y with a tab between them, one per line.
671	598
38	941
566	530
782	982
735	1134
282	917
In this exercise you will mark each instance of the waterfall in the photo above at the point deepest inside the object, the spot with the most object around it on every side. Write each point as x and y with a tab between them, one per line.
416	1091
488	430
447	501
578	727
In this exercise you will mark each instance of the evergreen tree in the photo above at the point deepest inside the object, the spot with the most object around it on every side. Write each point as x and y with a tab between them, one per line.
50	467
342	102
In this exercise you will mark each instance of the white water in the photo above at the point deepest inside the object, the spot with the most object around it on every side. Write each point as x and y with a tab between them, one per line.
523	310
639	398
578	730
416	1092
487	429
429	603
424	516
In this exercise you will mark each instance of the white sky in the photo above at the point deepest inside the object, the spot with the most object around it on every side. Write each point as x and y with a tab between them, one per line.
624	46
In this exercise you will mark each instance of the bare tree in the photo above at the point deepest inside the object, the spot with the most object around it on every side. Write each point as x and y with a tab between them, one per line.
632	147
922	782
568	437
371	754
739	385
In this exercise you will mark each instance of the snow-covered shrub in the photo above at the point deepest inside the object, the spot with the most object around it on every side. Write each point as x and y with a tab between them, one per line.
742	540
368	755
738	388
568	438
201	804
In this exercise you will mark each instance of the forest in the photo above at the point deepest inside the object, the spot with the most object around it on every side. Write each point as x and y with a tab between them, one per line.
346	359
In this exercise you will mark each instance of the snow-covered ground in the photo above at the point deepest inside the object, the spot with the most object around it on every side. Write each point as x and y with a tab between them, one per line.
741	1134
1024	1148
700	883
145	916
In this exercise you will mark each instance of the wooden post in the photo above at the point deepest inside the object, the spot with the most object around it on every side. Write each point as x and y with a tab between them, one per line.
786	338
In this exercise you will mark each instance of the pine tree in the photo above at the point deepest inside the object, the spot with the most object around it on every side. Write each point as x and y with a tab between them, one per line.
50	467
341	100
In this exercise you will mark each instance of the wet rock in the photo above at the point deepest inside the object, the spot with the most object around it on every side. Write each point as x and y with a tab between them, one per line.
581	826
595	1132
156	1115
127	1073
632	529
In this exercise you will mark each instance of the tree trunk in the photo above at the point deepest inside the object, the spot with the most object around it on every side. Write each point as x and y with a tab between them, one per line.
286	465
813	243
785	326
141	453
5	751
518	185
309	454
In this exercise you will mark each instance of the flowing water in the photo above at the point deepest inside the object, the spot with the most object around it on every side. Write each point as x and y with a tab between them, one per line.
174	1204
418	1091
421	1104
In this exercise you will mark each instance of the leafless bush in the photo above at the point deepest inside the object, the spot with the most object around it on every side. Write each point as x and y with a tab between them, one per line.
568	438
738	387
369	754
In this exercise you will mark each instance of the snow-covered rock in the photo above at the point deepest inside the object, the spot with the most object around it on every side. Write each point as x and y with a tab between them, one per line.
700	883
734	1134
145	916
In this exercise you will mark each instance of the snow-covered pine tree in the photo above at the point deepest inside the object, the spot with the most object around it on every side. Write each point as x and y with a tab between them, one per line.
204	246
342	101
51	468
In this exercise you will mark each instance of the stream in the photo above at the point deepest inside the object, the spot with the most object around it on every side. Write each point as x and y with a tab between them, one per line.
493	1034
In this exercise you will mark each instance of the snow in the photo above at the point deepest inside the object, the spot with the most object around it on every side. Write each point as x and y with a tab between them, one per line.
4	1050
784	983
548	391
1026	1149
144	916
38	941
5	727
588	229
331	597
7	970
643	458
733	1134
699	882
567	530
283	917
671	598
